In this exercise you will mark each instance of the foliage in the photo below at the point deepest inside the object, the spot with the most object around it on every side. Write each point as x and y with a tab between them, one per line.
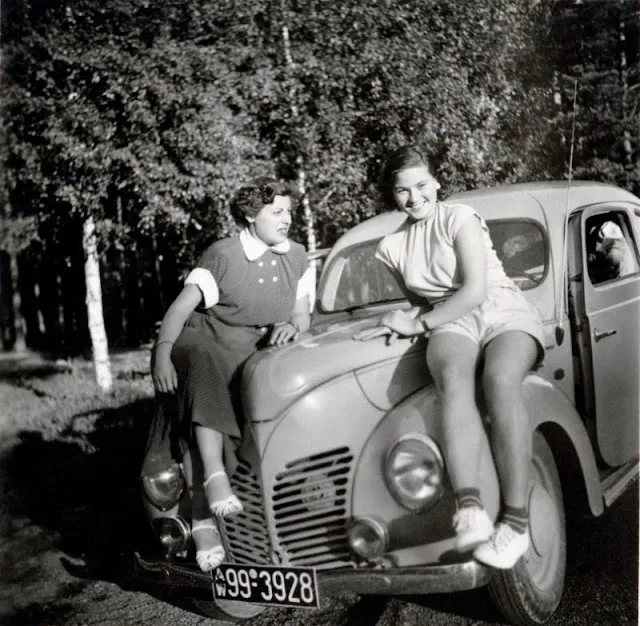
148	116
596	44
130	116
367	77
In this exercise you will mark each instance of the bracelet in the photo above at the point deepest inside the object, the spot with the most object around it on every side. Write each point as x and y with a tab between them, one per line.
164	341
424	324
296	326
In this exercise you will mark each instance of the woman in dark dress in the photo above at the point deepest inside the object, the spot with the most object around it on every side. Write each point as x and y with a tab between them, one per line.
246	292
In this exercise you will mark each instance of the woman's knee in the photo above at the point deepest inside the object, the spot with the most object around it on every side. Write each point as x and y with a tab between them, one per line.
496	376
454	378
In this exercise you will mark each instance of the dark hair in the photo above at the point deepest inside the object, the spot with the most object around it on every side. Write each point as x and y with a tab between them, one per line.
252	197
397	160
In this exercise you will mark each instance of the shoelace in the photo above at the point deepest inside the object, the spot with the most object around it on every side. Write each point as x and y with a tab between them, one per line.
503	537
465	518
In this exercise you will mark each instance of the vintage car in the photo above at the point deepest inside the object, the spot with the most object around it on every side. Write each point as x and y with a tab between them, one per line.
341	471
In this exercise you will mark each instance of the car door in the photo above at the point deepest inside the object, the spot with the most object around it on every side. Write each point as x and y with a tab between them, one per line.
611	271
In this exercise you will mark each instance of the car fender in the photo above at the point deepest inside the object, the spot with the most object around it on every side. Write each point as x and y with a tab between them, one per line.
555	416
550	411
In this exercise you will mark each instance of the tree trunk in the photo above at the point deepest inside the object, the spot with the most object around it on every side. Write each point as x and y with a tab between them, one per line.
95	317
122	276
624	79
7	317
295	115
20	344
309	220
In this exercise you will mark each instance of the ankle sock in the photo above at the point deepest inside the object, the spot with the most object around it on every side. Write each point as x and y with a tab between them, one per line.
517	518
468	496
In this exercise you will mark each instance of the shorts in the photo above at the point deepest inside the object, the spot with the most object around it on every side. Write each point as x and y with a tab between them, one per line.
503	309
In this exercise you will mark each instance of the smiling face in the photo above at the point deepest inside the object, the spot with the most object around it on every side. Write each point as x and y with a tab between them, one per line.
272	223
415	191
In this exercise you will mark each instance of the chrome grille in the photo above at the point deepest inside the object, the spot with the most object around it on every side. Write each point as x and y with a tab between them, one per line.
310	504
247	532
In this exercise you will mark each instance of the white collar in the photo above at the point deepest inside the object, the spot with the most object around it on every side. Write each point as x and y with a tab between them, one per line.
254	248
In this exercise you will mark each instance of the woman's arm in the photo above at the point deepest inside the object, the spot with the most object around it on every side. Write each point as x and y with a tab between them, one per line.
299	322
301	315
470	252
164	374
471	255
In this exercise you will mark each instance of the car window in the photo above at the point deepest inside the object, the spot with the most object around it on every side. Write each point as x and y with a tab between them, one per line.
522	248
609	247
356	278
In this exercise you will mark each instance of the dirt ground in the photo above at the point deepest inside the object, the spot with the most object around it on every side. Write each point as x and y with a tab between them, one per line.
71	515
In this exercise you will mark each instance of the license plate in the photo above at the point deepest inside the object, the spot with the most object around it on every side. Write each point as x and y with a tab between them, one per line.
265	584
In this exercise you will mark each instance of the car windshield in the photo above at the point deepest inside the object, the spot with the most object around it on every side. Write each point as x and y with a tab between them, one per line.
356	279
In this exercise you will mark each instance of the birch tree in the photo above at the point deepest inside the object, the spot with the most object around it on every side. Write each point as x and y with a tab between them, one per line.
93	288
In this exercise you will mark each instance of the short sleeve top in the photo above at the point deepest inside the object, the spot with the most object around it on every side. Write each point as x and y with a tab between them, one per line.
256	291
423	253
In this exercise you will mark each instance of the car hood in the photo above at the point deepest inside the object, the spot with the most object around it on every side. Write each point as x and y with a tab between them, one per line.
275	378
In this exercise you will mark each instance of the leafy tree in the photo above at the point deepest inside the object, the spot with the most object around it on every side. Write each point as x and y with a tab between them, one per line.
142	119
367	76
596	44
99	136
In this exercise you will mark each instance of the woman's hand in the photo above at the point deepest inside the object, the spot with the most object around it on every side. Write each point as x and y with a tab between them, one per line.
282	333
165	378
393	324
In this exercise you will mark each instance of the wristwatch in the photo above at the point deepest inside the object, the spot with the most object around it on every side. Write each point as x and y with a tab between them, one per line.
424	324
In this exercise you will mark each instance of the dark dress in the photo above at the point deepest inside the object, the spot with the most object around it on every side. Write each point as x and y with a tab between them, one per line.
216	342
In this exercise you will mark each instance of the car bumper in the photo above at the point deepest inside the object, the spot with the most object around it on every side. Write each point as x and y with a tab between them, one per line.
393	581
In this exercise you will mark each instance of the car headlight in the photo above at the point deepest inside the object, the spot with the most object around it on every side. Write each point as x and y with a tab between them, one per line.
164	489
415	472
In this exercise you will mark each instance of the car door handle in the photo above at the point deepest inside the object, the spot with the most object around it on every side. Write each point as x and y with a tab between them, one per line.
601	334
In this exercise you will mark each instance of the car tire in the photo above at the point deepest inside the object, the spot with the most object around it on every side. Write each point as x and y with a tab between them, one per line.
530	592
229	610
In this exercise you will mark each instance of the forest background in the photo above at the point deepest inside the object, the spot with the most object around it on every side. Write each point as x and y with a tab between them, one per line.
127	125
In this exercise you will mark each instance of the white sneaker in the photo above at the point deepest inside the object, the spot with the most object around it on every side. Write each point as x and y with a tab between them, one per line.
504	548
473	526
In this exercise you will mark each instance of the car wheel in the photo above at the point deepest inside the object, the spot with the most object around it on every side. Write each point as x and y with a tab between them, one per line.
530	592
229	610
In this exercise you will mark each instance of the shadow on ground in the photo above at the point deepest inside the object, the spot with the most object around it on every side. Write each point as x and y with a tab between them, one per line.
83	484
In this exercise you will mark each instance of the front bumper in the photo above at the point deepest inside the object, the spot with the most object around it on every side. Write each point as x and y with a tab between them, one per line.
393	581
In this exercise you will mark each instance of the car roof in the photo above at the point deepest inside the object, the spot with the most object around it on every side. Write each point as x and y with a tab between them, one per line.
542	201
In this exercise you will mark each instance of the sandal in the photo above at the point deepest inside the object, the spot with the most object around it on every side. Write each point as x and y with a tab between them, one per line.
226	506
210	558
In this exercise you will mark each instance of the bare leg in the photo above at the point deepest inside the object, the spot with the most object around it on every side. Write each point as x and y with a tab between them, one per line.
210	446
452	362
508	358
221	498
204	528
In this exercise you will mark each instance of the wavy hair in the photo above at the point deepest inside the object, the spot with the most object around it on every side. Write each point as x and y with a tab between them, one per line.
252	197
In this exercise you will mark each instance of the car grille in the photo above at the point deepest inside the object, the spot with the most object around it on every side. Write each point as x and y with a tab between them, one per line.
310	504
247	532
310	511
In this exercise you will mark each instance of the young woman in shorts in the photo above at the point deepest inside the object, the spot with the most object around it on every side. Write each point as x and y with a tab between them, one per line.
474	314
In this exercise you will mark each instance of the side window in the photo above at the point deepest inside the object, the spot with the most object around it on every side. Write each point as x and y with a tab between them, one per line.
522	248
609	247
